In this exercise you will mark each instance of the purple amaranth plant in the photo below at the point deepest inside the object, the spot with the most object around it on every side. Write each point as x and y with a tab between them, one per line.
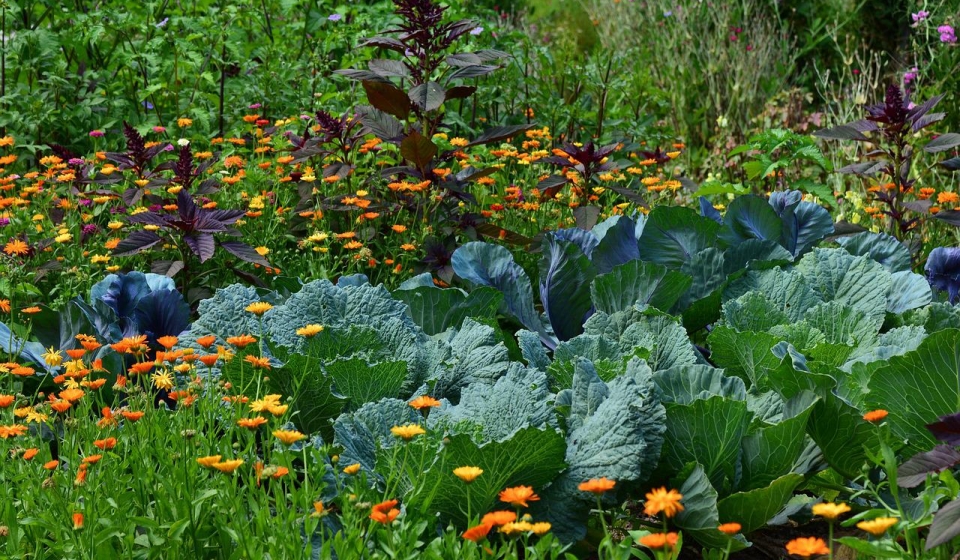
889	128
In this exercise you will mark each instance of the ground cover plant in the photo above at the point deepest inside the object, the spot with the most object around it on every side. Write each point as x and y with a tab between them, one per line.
425	283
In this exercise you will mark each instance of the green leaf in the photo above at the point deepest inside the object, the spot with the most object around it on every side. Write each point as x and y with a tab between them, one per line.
361	382
872	549
919	387
753	508
788	290
315	404
674	234
530	456
908	291
700	516
744	354
565	278
773	450
750	217
706	431
685	384
836	275
477	356
885	249
753	312
840	432
638	282
436	310
841	324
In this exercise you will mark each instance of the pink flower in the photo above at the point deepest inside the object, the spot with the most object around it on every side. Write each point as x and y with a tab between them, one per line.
946	34
96	133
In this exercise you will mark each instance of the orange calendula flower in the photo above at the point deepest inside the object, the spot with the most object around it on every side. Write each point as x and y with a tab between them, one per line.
807	547
72	395
518	496
60	406
877	527
424	401
105	444
13	430
16	247
258	308
252	423
22	371
209	460
140	368
597	485
50	465
241	341
132	416
92	459
7	400
729	528
467	474
258	362
168	342
228	466
384	512
30	453
352	469
77	520
206	341
501	517
477	533
30	310
875	415
209	359
657	541
5	305
288	437
662	500
408	431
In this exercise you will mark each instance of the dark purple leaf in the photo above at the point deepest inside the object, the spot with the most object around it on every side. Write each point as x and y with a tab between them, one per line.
428	96
586	216
863	169
463	60
387	98
460	92
951	217
201	244
927	120
947	429
389	68
914	472
508	236
362	75
946	525
132	196
136	242
921	206
382	125
952	164
473	72
488	55
943	143
166	268
151	218
921	110
385	43
418	149
498	133
244	252
470	174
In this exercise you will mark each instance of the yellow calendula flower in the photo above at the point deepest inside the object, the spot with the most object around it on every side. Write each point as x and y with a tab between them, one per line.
830	510
310	330
352	469
877	527
162	380
467	474
228	466
52	357
209	461
288	437
408	431
259	308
